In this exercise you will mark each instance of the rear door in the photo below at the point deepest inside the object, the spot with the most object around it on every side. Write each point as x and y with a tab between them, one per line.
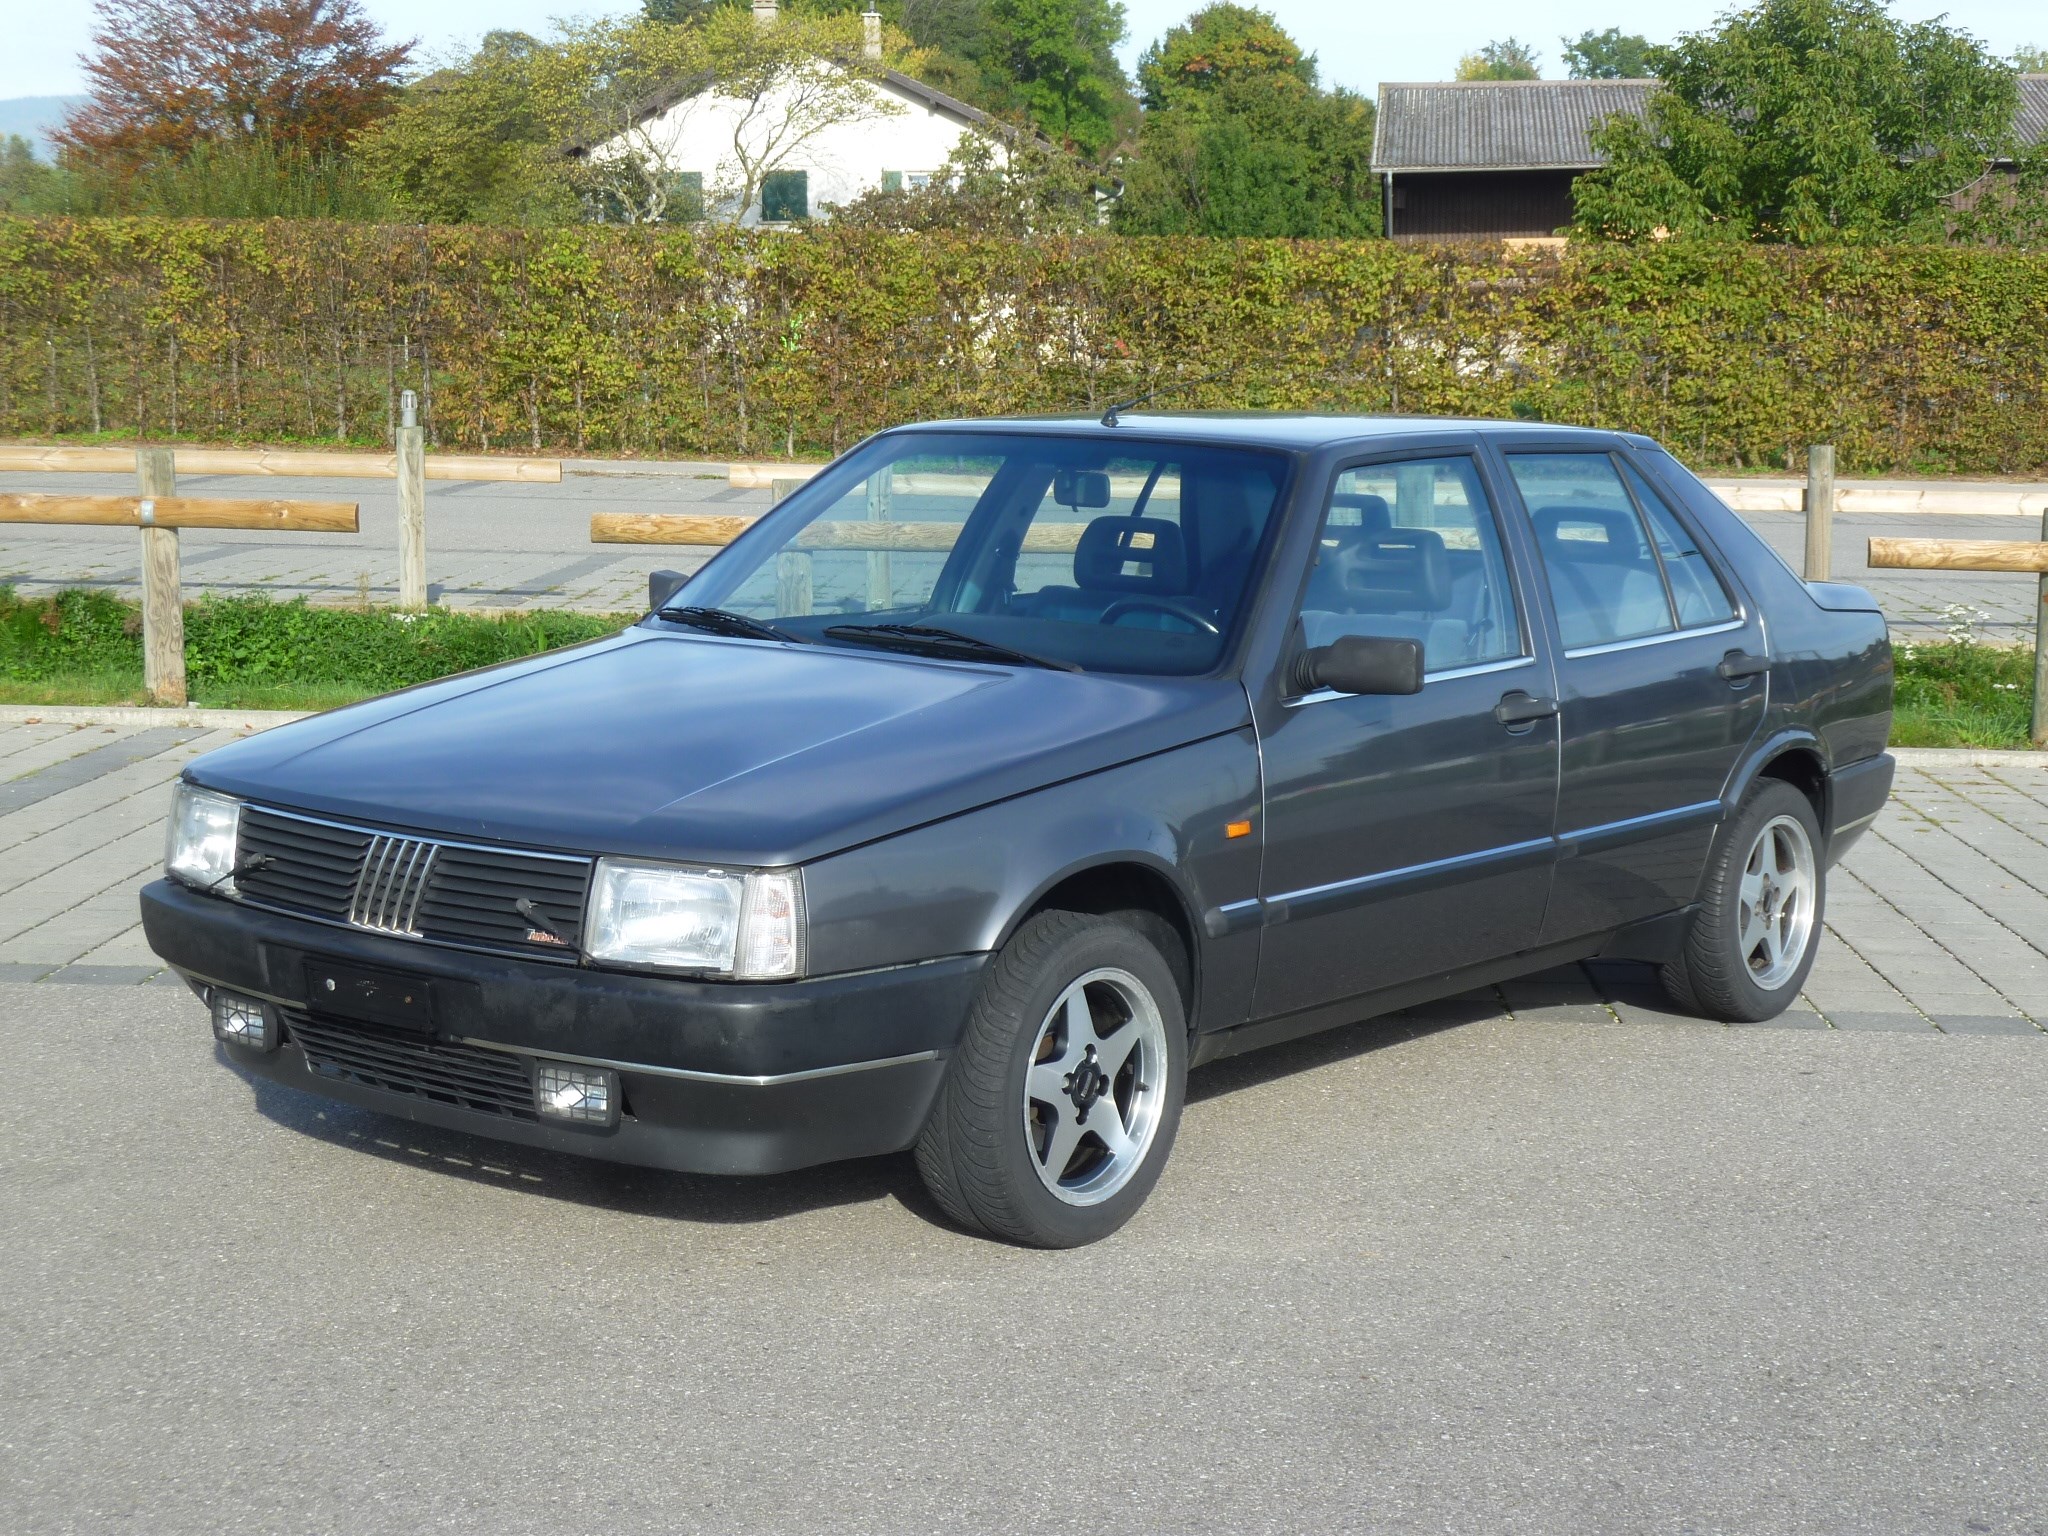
1662	682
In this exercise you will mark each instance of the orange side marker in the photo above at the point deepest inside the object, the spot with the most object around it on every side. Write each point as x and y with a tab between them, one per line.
1237	829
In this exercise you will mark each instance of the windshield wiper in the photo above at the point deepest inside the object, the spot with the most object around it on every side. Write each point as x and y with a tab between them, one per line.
932	639
723	621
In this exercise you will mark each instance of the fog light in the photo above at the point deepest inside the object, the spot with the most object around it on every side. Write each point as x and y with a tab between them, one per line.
579	1095
243	1021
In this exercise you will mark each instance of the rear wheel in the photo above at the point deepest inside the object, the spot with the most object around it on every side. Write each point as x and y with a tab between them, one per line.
1759	923
1060	1107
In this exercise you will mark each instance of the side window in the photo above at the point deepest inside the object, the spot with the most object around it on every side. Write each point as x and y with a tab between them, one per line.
1412	551
1604	575
1696	590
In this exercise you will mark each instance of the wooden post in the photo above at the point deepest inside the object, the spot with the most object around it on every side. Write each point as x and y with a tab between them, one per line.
792	567
881	509
1820	512
163	607
2040	730
412	505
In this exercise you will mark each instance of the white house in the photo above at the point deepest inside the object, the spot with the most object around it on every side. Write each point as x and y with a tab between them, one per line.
802	146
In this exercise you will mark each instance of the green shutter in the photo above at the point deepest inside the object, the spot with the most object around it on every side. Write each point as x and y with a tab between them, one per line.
785	197
892	181
686	198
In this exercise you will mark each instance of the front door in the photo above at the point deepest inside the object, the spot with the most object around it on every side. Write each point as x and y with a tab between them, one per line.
1662	682
1408	836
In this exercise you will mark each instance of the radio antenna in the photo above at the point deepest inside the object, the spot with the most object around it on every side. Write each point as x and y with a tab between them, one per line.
1109	417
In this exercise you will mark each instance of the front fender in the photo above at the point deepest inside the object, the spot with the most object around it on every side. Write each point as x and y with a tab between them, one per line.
962	885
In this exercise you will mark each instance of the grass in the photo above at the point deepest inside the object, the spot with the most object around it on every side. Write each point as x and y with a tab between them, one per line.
1960	694
84	647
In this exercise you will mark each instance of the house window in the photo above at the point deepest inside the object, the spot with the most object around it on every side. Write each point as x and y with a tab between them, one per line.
785	196
685	198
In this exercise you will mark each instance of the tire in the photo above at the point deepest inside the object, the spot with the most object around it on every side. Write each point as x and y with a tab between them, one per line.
1059	1108
1762	905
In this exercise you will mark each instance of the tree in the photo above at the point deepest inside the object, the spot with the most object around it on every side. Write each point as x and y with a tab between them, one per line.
2030	59
1012	190
1238	138
1610	55
168	74
1508	59
1806	121
530	131
1058	60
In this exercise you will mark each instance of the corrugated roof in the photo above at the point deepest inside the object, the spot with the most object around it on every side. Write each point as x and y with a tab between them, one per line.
1486	125
2032	122
1528	125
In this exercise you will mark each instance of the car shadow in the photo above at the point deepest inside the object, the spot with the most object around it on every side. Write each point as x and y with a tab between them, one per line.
1273	1062
739	1200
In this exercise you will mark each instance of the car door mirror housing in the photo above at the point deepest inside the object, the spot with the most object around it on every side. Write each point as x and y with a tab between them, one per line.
663	585
1361	664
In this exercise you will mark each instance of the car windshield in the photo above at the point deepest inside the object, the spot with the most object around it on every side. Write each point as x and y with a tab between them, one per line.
1125	556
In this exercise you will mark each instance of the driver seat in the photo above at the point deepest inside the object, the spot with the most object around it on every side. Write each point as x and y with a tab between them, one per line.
1114	558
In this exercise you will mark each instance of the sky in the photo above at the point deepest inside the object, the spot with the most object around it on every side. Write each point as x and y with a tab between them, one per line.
1359	44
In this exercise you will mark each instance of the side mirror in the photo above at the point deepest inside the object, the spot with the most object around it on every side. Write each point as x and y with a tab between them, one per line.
663	585
1079	488
1361	664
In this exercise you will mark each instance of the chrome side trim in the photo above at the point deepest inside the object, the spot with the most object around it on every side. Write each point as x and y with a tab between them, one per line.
1458	861
773	1080
1725	627
1481	669
1620	831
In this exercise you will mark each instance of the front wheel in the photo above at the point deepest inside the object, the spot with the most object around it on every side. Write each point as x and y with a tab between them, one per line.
1759	922
1061	1104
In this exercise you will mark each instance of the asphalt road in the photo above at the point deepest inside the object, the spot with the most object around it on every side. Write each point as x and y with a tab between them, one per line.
1500	1277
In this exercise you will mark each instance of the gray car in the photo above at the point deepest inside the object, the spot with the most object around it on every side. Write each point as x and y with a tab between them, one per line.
1009	769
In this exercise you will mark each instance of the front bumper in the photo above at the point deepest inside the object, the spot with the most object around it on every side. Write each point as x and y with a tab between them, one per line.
716	1077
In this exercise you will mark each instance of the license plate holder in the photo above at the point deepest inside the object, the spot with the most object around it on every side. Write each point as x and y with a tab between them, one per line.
369	996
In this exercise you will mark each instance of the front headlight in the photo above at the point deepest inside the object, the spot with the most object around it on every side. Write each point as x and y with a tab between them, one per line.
199	844
748	926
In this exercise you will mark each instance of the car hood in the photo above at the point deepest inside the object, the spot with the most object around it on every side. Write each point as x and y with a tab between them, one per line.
726	751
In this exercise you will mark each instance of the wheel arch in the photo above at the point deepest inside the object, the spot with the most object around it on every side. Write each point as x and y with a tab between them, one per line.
1127	881
1795	757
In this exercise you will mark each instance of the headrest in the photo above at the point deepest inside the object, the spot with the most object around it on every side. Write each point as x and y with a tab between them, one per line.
1591	533
1374	515
1131	554
1400	570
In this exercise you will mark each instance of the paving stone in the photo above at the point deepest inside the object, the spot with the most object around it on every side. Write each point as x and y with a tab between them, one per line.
102	975
1907	1023
17	971
1791	1018
1987	1024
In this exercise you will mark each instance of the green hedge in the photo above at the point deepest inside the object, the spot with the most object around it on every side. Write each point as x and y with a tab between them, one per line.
728	343
235	642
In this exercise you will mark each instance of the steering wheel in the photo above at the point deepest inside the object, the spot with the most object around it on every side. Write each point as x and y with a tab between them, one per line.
1168	605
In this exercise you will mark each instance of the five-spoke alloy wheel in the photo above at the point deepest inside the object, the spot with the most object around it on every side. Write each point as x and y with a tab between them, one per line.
1753	940
1060	1106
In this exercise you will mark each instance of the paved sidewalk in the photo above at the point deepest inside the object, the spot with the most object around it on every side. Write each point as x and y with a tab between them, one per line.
1937	920
528	546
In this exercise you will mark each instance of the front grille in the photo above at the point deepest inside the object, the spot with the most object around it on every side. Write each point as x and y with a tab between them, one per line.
420	888
393	880
489	1082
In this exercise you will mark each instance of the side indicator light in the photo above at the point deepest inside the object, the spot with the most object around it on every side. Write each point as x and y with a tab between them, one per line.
1237	829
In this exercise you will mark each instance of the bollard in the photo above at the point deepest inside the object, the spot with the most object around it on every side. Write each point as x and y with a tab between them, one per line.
2039	733
163	608
793	596
412	504
1820	512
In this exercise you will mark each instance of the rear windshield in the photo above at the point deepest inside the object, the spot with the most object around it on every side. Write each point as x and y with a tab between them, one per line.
1124	556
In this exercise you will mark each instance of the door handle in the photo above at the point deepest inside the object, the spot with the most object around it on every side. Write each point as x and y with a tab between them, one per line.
1518	711
1738	666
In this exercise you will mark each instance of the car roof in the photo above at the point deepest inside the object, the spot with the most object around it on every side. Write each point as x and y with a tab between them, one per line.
1297	431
